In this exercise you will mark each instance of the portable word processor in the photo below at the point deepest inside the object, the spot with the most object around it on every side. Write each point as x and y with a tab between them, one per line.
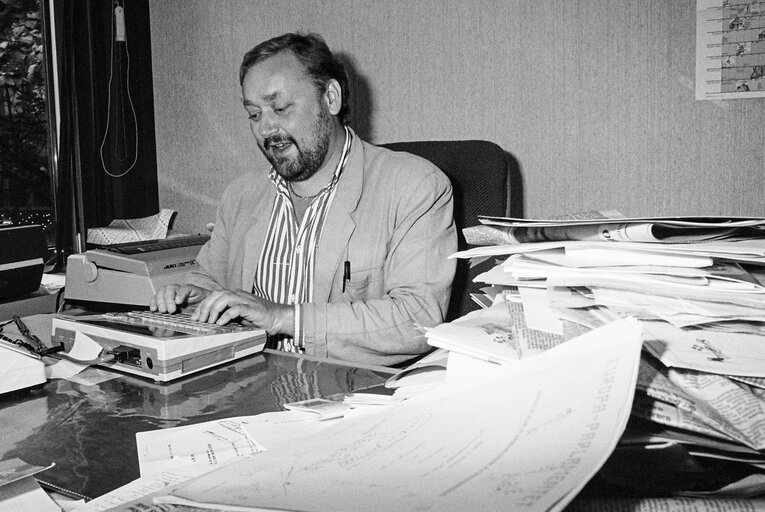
158	346
130	273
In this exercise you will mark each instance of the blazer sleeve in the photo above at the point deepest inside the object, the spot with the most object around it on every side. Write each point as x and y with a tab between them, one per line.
213	258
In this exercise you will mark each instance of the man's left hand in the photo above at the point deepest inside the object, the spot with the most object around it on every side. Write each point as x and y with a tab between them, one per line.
221	307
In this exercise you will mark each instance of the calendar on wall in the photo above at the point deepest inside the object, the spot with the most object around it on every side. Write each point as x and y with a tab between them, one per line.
730	49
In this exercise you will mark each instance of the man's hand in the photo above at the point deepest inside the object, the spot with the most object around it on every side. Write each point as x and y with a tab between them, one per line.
169	298
221	307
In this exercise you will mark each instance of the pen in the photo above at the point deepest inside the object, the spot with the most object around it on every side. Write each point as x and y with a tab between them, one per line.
346	273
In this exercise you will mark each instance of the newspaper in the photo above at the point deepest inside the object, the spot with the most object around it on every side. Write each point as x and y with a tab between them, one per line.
506	230
713	405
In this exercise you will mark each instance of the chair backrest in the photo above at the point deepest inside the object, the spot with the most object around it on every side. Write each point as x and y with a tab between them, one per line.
480	172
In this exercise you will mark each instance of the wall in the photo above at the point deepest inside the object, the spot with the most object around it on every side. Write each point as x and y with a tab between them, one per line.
594	99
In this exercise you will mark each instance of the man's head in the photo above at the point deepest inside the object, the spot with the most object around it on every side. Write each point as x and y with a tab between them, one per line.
295	93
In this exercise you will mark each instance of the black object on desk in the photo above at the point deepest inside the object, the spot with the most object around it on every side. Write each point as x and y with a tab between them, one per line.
89	430
22	257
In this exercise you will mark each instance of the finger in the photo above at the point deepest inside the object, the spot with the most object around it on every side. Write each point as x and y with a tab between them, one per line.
240	311
182	295
203	311
220	306
174	297
228	315
164	300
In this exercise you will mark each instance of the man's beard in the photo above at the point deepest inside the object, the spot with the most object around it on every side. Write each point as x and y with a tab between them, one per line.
310	155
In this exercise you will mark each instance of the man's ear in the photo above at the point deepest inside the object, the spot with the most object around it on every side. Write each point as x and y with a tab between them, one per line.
333	95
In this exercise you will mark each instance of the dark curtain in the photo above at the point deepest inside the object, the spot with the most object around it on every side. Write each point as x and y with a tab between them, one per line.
106	167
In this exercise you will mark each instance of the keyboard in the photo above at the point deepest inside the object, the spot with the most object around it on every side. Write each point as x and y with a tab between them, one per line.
179	322
160	244
158	346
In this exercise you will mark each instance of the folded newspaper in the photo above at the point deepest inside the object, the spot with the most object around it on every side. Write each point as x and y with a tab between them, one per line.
612	226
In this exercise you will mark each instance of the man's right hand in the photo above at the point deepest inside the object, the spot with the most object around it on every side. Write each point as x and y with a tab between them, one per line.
171	297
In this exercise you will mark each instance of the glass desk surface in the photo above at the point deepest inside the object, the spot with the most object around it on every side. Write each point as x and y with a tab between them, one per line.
87	426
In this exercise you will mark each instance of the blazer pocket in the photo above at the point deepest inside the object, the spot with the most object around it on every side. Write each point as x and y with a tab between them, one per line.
358	287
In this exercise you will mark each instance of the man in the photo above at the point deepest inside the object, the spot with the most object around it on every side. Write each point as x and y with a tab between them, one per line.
341	250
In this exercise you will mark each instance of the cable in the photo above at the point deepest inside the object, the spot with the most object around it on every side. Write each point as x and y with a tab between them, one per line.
119	39
37	348
59	302
104	359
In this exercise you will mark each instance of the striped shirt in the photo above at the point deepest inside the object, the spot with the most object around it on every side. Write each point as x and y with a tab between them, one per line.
286	265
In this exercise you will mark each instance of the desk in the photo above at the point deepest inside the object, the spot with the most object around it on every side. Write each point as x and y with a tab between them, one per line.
87	425
88	430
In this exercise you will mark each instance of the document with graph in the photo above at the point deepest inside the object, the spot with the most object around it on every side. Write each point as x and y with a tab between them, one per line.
730	49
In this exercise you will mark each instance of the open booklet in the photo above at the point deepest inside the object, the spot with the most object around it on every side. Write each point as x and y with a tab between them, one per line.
612	226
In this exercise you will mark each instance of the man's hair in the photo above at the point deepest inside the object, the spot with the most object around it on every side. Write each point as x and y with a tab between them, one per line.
313	53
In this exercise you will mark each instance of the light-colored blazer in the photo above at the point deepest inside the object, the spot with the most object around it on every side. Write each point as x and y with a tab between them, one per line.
391	218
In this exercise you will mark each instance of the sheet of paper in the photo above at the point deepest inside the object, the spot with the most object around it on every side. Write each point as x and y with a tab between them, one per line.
723	353
25	495
601	219
320	409
12	470
612	256
83	349
700	402
499	334
170	456
203	445
431	369
667	505
744	250
275	429
463	370
137	493
678	312
429	453
488	334
741	414
708	293
496	275
539	315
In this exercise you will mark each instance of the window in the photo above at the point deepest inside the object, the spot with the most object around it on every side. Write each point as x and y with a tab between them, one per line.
25	184
55	137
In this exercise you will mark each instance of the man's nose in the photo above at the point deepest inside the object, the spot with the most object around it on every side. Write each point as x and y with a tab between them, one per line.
267	126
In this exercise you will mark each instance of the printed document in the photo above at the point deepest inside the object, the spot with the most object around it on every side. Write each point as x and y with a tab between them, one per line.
528	440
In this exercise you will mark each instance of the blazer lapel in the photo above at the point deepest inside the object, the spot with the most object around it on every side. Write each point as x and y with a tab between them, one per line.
339	224
258	219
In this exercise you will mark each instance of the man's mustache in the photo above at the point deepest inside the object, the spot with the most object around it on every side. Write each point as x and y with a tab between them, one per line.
277	139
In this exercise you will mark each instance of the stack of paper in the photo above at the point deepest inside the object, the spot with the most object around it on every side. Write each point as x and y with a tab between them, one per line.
697	287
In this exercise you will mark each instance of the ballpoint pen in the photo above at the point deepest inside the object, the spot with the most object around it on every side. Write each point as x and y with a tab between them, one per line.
346	273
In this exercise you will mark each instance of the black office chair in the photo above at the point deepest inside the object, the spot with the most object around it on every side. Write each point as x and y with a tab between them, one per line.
481	173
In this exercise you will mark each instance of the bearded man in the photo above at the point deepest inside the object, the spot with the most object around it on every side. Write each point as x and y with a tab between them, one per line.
341	250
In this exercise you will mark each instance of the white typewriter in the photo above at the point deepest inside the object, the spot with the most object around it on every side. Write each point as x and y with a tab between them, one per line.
130	273
158	346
